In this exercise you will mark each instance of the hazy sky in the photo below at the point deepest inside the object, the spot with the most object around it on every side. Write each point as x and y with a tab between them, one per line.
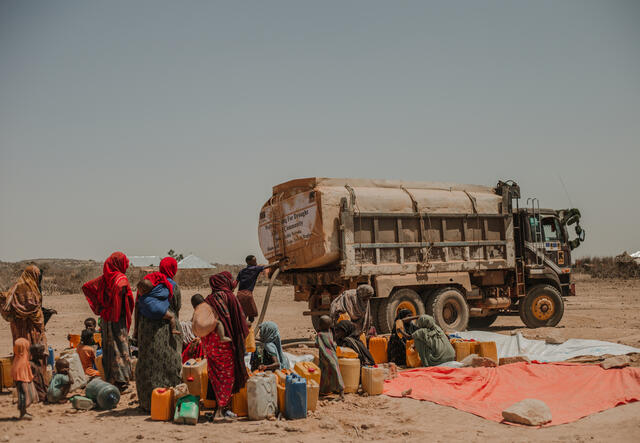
148	125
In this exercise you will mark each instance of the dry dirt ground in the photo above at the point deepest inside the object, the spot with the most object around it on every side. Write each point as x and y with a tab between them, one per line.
606	310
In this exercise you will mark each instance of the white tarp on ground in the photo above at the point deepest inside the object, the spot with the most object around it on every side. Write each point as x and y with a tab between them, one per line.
514	345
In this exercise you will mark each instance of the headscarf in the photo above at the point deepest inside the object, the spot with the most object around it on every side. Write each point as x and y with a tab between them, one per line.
270	337
169	266
24	299
229	312
21	369
355	303
432	343
351	340
104	293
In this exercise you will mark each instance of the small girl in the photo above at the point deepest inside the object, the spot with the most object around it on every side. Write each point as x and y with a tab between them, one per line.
87	353
330	377
23	377
60	383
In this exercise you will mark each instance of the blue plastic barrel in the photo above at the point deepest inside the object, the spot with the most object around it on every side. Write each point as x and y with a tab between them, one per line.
295	397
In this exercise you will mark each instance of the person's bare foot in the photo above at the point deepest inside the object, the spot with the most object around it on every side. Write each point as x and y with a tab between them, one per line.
225	339
26	416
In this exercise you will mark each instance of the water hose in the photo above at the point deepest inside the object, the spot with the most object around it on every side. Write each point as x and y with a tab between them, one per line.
265	303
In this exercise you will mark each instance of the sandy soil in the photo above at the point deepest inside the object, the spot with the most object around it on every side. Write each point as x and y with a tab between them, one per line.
606	310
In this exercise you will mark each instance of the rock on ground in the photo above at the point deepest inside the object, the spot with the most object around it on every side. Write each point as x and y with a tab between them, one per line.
530	412
619	361
516	359
475	361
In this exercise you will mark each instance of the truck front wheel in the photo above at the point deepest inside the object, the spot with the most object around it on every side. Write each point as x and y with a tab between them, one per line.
450	309
542	306
388	308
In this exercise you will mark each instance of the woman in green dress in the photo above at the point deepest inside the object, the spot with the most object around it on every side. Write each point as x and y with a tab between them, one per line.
432	343
159	351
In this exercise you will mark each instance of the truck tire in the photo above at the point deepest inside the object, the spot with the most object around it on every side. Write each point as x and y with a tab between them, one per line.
450	309
542	306
403	298
482	322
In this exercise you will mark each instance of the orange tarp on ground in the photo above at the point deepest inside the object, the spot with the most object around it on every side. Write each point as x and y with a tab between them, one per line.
571	391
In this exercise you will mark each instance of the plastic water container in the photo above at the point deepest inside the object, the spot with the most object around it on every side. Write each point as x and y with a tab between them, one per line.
343	316
465	348
194	374
82	403
488	349
104	394
378	349
281	381
313	392
187	410
162	404
74	340
250	341
413	358
239	402
51	359
296	397
262	396
6	380
373	379
308	370
344	352
350	370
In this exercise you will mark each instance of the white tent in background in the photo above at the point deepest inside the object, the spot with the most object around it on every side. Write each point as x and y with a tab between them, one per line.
636	254
194	262
144	261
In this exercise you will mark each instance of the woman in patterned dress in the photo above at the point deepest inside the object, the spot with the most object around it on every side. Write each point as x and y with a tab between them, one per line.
225	360
159	351
110	297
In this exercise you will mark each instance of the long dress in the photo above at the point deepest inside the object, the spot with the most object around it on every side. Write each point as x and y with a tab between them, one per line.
159	353
330	377
116	353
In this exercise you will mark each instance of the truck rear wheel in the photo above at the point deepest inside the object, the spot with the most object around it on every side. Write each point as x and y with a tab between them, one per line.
388	308
450	309
542	306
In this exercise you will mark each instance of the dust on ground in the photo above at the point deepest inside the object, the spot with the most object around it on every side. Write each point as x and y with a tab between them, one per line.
603	310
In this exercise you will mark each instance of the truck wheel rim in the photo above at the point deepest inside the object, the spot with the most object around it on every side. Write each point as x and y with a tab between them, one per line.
406	305
450	312
543	307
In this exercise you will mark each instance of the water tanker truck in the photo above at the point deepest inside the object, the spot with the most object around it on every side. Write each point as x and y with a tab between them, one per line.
464	254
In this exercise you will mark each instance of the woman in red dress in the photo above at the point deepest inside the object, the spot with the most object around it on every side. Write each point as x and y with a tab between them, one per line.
225	360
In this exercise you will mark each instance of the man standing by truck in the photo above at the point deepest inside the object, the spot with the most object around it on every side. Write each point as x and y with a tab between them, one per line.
247	279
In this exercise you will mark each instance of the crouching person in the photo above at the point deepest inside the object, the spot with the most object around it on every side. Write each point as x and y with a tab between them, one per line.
60	383
432	343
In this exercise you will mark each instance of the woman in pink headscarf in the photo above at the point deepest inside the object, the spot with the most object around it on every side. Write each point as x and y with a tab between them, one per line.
159	351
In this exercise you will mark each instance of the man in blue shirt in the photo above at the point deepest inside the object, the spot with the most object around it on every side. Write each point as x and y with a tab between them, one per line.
246	283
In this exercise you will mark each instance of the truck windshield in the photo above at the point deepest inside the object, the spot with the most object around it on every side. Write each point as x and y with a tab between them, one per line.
551	229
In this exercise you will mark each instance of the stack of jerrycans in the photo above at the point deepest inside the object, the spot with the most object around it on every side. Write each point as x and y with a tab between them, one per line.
311	372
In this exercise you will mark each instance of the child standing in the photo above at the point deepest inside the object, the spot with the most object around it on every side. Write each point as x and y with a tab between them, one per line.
23	377
60	383
330	378
87	353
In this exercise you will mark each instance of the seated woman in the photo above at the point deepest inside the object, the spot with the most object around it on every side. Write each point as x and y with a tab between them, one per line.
272	355
346	335
432	343
401	332
87	353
